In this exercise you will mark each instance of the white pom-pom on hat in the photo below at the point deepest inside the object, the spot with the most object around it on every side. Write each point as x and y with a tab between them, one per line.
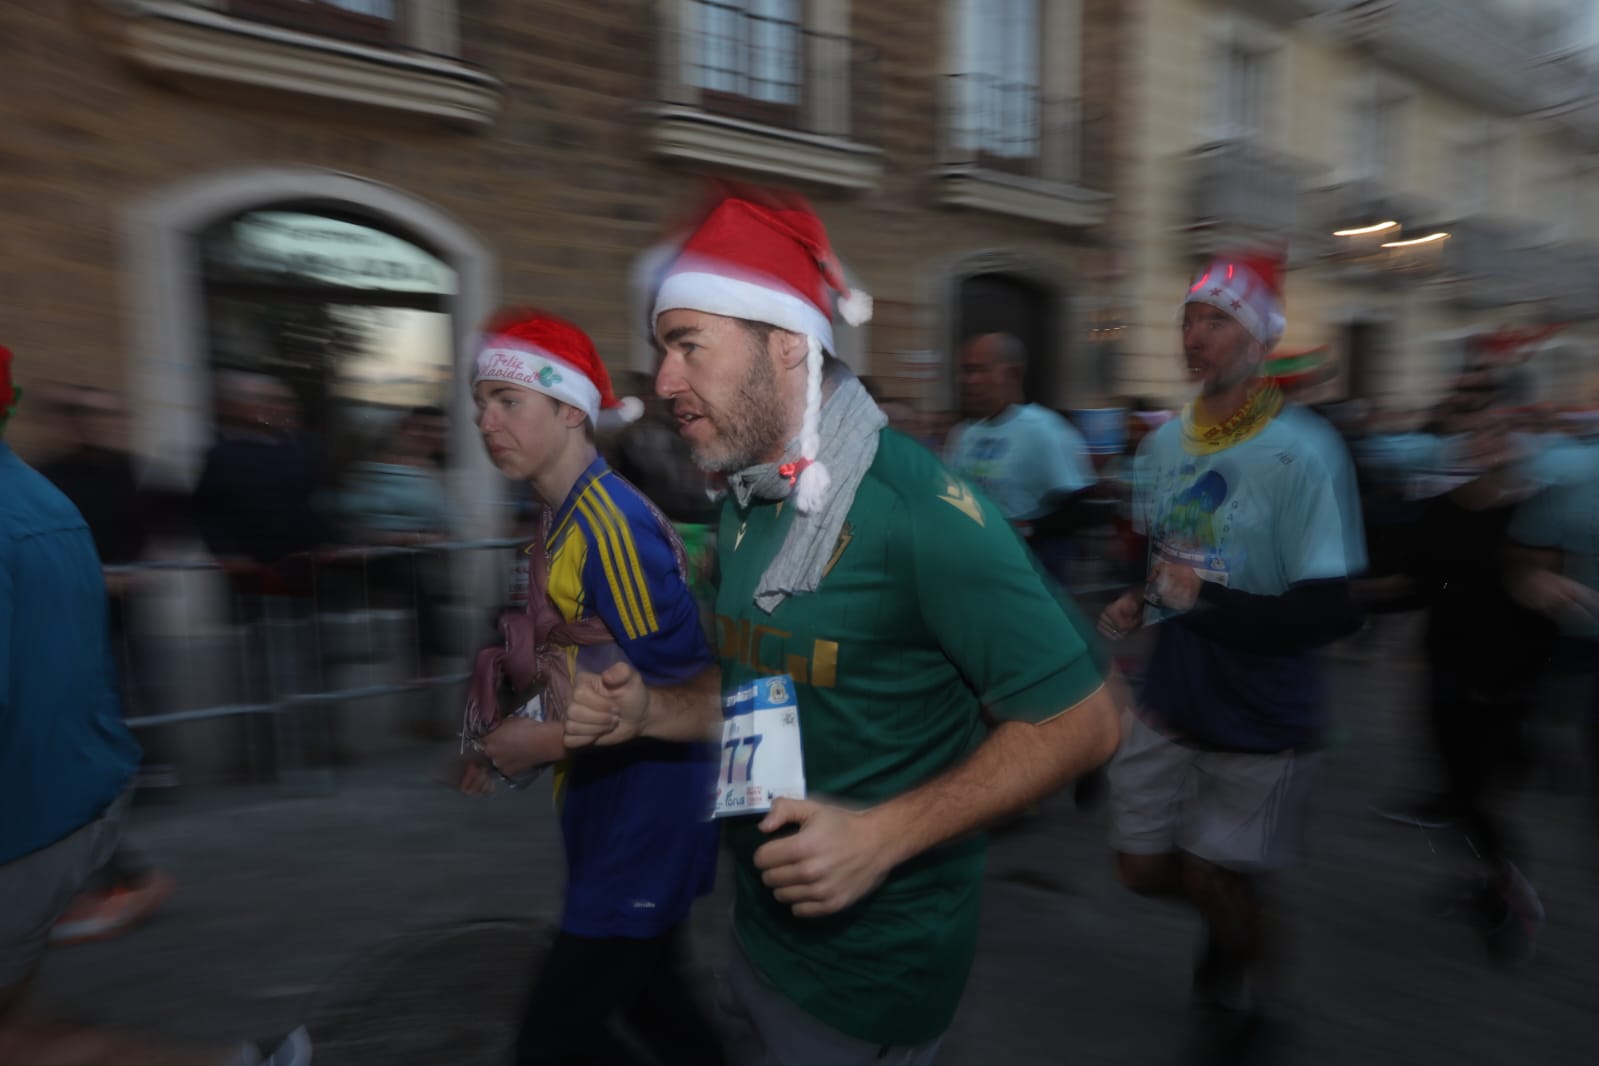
855	307
628	409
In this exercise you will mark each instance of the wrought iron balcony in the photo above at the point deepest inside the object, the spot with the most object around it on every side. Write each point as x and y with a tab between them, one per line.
766	89
1458	46
1240	191
1007	148
1492	264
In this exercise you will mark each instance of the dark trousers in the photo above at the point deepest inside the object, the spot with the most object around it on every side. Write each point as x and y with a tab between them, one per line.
584	982
1478	731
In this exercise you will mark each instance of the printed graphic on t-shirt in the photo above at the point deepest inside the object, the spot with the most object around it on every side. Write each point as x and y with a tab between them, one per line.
1193	527
985	462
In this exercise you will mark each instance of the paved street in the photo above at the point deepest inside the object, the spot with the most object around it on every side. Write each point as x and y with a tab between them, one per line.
400	918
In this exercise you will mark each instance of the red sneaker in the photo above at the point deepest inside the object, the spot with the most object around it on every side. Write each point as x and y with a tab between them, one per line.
103	915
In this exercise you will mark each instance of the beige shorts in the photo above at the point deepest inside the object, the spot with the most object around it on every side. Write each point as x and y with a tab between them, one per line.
38	888
1237	810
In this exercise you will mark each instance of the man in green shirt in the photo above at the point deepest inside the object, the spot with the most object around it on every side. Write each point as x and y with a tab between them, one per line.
870	607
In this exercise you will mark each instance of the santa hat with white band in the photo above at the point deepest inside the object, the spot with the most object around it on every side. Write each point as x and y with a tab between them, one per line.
546	353
765	257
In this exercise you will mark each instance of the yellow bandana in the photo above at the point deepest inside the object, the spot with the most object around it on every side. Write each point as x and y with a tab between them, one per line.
1264	401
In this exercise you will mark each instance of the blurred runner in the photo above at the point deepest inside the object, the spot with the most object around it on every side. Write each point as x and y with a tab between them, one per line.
606	581
1251	512
66	763
1028	459
870	606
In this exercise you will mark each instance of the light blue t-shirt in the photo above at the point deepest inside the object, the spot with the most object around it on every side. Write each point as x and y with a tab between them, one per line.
1260	516
1020	459
1565	516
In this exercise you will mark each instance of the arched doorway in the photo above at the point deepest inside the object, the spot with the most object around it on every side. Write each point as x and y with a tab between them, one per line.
1009	303
351	314
177	310
1003	291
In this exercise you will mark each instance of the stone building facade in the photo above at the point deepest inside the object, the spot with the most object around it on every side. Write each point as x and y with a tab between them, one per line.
168	168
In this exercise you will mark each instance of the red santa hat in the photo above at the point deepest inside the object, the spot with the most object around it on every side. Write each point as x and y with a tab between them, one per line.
548	354
765	257
8	391
1247	287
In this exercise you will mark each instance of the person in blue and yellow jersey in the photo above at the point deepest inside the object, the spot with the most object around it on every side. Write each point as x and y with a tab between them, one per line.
606	581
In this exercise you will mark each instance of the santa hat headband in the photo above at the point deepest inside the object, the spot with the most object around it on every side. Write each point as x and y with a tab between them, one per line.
547	354
765	257
1250	289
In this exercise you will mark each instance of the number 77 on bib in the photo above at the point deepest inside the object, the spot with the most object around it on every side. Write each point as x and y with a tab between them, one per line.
761	754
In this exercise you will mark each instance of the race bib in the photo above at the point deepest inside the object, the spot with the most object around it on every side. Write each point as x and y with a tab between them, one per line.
761	754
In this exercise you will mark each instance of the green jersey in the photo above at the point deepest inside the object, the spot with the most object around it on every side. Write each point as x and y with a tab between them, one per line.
931	610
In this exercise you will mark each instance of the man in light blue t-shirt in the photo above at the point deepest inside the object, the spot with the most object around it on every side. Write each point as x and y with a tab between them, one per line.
1253	525
1026	458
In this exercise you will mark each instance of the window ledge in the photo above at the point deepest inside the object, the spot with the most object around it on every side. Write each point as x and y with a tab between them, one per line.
1056	202
691	135
207	50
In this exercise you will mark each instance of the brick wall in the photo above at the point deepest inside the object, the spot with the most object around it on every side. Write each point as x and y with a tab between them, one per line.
562	188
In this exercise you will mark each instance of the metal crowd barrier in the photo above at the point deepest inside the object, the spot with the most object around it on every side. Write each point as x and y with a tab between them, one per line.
199	643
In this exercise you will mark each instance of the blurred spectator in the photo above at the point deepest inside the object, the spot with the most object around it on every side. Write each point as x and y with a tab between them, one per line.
1028	459
257	506
396	499
97	476
256	501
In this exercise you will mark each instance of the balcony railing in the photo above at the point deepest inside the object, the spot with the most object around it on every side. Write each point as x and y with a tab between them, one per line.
765	63
1497	265
770	89
1242	190
1011	127
1463	48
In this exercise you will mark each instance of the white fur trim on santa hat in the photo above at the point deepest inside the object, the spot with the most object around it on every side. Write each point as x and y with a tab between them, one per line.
534	368
765	300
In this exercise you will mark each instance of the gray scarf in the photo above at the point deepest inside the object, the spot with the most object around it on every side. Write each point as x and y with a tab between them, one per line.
849	426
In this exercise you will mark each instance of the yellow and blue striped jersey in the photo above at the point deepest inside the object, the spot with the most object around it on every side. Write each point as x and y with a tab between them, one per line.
611	556
639	846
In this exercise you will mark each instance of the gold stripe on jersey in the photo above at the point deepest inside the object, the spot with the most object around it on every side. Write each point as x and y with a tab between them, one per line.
613	542
630	549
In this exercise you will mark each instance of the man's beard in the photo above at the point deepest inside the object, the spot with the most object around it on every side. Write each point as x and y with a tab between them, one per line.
1246	366
753	426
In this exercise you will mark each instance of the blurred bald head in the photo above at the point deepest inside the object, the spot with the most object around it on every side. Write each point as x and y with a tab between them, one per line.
992	369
